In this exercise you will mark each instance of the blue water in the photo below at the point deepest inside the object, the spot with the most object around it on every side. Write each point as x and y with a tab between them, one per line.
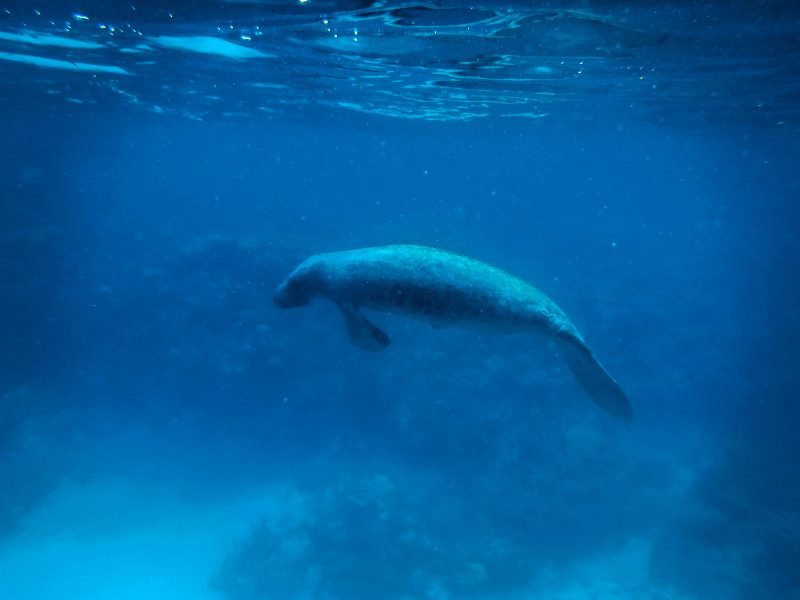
166	431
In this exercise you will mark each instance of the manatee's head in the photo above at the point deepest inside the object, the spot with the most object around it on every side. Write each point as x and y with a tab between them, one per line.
300	287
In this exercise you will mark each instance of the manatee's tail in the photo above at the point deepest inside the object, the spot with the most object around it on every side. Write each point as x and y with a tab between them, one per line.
594	378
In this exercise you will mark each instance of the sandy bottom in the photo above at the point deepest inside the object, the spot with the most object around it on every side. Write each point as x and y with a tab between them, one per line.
122	542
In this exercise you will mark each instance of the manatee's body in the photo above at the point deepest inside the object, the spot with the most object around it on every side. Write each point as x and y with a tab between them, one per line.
443	288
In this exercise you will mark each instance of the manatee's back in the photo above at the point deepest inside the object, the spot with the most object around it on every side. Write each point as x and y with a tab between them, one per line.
436	284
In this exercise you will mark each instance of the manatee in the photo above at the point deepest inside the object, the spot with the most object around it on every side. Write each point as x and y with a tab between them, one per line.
443	289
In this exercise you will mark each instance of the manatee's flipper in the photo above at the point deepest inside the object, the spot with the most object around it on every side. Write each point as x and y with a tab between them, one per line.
594	378
363	333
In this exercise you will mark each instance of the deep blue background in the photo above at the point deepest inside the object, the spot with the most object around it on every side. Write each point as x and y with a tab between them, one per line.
139	255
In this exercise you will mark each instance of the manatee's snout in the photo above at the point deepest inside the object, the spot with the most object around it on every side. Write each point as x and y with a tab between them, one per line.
290	294
282	297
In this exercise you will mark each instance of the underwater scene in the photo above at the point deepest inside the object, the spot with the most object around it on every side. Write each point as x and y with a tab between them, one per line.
399	300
